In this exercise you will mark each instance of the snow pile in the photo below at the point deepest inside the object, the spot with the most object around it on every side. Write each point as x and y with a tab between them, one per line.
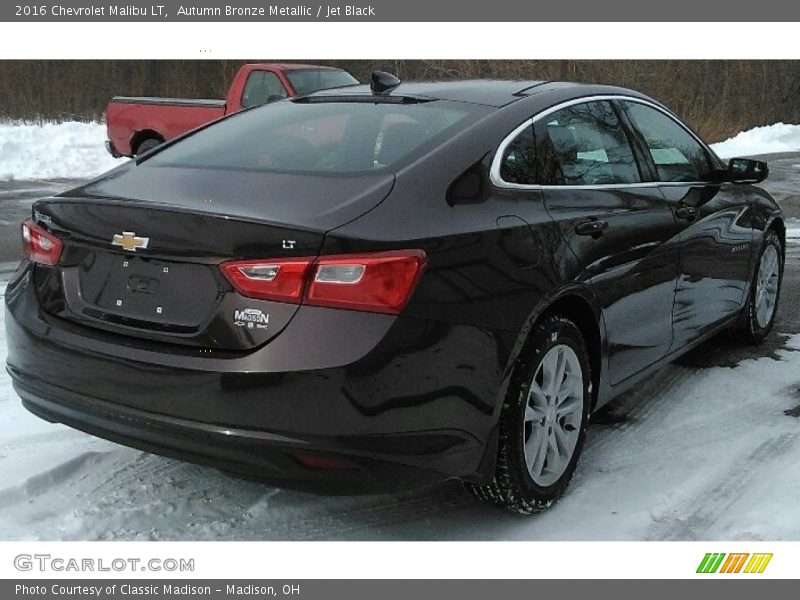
779	137
54	150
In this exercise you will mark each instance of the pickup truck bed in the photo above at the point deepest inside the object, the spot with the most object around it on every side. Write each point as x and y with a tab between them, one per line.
136	124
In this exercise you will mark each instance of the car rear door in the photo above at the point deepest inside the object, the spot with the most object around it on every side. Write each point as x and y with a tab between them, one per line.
714	219
619	226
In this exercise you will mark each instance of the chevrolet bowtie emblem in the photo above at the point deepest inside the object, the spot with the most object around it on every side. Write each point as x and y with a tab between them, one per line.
129	241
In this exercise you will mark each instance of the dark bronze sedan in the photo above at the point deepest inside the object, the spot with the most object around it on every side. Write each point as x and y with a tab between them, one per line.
391	285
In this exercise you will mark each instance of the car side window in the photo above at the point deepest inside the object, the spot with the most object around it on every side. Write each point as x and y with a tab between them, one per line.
585	144
519	159
677	155
262	87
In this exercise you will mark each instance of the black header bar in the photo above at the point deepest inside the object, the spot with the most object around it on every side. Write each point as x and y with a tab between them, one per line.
402	11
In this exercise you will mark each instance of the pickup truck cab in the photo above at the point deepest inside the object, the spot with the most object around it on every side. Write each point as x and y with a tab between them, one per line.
137	124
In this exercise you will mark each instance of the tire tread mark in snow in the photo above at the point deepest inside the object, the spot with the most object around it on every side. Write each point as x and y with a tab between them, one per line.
386	510
707	507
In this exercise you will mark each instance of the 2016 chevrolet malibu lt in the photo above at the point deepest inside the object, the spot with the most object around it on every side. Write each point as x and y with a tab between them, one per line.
391	285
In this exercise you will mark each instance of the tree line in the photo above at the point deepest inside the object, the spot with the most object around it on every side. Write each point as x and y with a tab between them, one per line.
719	98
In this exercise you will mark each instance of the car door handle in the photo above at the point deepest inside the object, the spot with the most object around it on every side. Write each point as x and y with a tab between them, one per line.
593	227
686	212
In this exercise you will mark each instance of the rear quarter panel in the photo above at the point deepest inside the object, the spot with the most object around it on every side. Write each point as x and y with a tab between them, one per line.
492	266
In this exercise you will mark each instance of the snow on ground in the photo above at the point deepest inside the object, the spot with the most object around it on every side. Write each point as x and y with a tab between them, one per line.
769	139
694	454
51	151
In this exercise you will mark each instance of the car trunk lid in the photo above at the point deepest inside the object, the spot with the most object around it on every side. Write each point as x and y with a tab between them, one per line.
147	265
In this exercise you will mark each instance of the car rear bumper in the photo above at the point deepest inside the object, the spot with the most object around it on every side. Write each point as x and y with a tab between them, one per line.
259	455
420	405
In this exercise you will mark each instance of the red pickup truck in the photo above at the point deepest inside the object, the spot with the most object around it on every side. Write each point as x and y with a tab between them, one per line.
137	124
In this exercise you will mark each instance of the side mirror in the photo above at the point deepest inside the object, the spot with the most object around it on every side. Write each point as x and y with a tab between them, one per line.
745	170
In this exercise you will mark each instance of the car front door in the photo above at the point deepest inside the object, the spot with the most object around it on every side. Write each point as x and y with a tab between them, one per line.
596	186
716	236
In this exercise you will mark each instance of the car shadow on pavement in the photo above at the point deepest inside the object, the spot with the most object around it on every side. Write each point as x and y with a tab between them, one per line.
724	350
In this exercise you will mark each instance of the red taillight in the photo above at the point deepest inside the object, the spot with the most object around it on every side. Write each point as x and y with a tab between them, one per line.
375	282
282	280
380	282
40	245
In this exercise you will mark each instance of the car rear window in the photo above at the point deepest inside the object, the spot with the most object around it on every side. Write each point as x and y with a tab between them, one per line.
320	137
306	81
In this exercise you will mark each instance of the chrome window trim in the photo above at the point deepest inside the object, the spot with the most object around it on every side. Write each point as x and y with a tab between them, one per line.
494	172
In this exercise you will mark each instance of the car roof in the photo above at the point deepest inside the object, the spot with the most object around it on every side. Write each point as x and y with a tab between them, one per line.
293	66
489	92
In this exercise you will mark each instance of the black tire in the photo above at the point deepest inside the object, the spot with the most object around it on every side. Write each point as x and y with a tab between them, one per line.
750	330
147	145
513	486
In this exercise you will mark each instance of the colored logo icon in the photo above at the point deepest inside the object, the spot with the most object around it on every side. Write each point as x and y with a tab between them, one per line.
719	562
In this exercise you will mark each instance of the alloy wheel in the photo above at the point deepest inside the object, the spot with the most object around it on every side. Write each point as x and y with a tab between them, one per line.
767	285
553	415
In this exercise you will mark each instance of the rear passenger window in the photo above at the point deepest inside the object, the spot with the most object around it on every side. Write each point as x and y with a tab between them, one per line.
677	155
519	159
585	144
262	87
